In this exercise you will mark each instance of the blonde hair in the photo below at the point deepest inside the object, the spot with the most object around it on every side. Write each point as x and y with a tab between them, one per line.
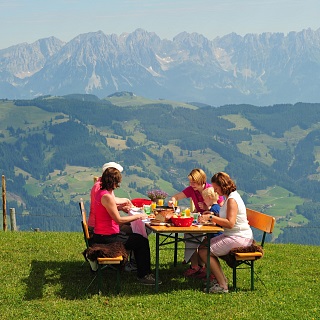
210	193
198	176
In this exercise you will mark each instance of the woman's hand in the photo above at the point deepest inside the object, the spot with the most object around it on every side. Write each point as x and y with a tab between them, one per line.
176	198
205	217
125	207
141	216
124	204
172	201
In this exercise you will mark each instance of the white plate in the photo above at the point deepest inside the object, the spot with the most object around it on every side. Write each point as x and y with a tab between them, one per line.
136	210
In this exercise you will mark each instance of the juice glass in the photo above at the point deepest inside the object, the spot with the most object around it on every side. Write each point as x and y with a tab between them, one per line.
153	206
147	208
187	211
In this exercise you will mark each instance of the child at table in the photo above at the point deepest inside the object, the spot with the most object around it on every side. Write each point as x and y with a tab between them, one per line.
210	198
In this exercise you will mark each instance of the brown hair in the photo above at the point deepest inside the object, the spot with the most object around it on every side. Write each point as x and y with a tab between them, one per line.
198	176
110	179
224	181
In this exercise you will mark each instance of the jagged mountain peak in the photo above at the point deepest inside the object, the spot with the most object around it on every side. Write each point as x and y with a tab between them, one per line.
191	39
141	33
26	59
87	37
50	41
142	38
262	68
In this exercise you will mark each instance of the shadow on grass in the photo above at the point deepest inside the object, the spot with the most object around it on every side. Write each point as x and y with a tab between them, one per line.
74	280
63	279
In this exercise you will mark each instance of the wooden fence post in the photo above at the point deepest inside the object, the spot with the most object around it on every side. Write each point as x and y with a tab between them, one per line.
4	203
13	219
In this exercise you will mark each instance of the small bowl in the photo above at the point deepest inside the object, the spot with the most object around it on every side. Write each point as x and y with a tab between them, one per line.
182	222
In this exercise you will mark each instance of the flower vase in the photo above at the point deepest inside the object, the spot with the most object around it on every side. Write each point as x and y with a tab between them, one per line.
160	202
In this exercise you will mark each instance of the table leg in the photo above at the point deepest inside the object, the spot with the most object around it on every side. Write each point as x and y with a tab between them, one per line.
175	257
157	261
208	264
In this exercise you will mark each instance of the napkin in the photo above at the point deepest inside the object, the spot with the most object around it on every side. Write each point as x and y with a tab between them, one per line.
138	226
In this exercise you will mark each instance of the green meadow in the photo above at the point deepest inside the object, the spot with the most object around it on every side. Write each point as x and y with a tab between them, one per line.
44	276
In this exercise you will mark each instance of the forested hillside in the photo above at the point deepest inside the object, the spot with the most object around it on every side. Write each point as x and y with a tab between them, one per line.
51	147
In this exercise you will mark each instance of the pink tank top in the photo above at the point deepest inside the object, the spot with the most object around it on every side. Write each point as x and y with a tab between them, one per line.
104	224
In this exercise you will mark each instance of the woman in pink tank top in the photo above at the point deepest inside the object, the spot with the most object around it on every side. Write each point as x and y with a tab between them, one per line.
107	220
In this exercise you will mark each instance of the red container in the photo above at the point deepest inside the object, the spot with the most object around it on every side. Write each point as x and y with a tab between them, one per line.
139	202
182	222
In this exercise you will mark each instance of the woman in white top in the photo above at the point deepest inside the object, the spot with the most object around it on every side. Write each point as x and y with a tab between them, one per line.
237	232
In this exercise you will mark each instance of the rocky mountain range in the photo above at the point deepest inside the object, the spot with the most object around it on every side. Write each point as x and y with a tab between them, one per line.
260	69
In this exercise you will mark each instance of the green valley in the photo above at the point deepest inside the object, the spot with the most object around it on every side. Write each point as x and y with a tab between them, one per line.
52	147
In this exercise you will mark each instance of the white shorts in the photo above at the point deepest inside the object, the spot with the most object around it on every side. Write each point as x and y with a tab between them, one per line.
221	245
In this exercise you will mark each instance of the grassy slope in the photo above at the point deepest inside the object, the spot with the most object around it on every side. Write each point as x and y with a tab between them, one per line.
137	101
43	276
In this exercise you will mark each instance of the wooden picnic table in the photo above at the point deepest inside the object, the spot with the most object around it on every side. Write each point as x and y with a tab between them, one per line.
171	235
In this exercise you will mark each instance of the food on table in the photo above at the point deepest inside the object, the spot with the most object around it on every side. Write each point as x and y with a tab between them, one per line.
164	215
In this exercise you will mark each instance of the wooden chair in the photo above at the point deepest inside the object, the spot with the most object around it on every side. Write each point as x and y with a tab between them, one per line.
102	262
264	223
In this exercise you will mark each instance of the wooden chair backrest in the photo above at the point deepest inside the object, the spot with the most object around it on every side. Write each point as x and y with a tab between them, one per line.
95	179
83	210
261	221
84	220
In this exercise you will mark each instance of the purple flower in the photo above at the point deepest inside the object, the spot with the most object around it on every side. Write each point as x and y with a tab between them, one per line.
156	194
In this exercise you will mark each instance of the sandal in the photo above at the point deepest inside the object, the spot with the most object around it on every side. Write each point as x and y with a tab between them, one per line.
192	272
216	289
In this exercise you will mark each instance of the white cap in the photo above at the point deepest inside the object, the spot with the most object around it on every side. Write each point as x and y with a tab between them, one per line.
112	165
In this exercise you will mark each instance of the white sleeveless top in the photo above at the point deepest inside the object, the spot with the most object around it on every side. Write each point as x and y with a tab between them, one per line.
241	227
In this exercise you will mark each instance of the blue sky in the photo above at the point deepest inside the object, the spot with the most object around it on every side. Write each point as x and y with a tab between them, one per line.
30	20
